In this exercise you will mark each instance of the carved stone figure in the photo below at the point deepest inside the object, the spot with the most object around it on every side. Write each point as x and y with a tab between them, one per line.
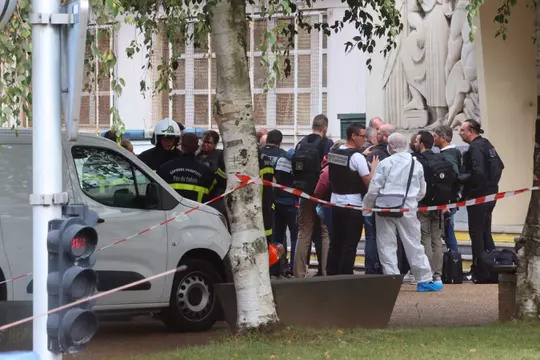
430	78
462	82
424	56
395	88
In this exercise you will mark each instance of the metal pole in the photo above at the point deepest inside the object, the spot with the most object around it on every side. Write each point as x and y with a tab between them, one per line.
320	69
209	74
46	156
295	90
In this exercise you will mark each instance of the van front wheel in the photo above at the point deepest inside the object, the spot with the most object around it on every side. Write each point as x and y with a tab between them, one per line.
193	303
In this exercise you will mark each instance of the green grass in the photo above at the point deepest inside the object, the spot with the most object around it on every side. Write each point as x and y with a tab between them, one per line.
509	341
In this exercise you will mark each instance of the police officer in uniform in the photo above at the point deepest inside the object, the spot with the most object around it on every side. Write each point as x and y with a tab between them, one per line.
186	175
166	138
349	180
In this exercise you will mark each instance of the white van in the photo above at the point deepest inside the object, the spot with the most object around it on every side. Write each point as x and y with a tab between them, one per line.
129	197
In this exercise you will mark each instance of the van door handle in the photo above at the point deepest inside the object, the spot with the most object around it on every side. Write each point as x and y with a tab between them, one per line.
100	221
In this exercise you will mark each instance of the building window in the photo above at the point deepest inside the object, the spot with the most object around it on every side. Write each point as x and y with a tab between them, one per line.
290	106
97	101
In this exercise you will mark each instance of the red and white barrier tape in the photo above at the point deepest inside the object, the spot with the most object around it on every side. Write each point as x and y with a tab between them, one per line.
480	200
90	298
247	180
244	181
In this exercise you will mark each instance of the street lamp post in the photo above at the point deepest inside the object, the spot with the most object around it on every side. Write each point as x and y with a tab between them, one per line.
47	197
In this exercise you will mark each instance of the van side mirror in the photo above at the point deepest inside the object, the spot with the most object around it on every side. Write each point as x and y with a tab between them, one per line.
152	195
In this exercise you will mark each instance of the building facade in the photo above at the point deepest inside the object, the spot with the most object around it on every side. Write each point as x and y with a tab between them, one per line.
436	75
324	79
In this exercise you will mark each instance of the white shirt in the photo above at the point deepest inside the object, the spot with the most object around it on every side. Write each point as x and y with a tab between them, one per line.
391	177
359	164
451	146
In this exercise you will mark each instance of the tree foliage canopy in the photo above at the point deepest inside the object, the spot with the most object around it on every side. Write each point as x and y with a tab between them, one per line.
375	20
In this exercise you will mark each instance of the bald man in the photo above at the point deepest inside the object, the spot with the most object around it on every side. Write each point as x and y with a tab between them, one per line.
375	123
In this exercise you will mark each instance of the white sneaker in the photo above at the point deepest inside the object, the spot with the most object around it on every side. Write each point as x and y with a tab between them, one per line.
409	278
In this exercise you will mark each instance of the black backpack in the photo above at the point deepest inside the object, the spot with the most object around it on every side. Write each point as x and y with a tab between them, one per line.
441	179
494	164
306	164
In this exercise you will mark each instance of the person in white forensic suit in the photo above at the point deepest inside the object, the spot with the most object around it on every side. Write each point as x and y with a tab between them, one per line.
391	177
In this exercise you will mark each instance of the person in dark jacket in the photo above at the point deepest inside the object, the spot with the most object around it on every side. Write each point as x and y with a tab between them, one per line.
442	137
165	140
190	178
307	217
430	221
371	139
382	132
482	170
380	150
284	203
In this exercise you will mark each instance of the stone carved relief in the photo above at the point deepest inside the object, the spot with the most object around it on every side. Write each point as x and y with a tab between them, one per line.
395	87
435	62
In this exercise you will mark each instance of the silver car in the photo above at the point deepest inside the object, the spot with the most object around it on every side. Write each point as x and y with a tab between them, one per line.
128	197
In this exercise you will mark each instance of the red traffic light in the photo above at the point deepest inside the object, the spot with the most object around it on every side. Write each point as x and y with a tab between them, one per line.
80	240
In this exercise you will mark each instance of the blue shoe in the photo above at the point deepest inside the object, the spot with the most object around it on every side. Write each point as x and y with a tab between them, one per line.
429	286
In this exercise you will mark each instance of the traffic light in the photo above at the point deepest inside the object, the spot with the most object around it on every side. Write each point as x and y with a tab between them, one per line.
71	243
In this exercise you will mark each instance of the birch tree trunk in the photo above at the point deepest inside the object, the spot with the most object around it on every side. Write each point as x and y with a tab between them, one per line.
233	111
528	255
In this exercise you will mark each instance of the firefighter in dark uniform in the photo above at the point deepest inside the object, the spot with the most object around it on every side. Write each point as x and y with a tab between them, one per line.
214	159
266	172
191	179
165	140
275	153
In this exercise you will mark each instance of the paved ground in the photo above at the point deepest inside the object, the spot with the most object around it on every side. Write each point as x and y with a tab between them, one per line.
456	305
465	304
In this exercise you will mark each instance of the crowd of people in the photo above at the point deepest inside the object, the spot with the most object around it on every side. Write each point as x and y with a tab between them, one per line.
374	167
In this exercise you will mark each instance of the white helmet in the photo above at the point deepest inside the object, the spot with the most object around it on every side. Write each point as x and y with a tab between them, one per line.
166	127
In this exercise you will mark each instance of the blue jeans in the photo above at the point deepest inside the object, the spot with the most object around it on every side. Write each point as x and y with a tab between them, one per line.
285	216
448	235
372	264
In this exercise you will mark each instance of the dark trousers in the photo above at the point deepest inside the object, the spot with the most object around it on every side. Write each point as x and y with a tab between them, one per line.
285	217
316	239
372	264
479	217
346	233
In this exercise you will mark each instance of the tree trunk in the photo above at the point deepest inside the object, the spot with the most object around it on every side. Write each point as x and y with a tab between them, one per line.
528	255
233	111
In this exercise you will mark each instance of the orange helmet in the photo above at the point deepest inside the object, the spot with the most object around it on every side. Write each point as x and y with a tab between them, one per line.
274	253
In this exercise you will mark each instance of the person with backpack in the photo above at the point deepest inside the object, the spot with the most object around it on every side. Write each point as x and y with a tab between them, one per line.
398	183
306	166
482	172
442	137
441	180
